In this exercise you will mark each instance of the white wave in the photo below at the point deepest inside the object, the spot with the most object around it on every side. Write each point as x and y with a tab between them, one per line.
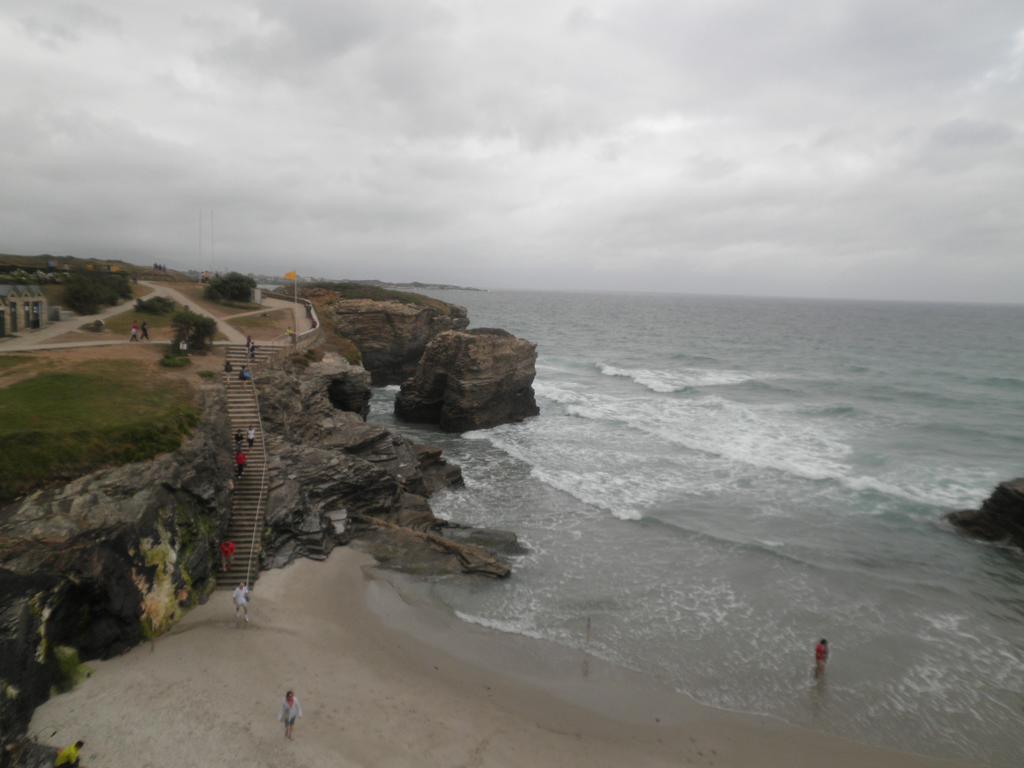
676	381
501	625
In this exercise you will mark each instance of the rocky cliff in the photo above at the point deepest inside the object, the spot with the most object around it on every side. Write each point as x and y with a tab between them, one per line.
92	568
335	479
471	380
391	335
1001	517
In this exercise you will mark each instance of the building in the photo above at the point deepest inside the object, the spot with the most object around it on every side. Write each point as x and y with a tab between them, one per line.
22	308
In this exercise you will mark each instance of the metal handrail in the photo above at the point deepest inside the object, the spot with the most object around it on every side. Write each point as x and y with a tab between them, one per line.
257	523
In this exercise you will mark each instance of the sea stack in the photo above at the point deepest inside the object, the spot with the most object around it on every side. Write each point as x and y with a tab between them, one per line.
471	380
1001	517
391	335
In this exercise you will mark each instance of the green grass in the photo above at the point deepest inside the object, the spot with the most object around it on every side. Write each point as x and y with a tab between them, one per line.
357	291
272	319
175	361
121	323
58	426
10	361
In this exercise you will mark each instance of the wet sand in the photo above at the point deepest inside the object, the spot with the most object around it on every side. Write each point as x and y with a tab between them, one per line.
385	681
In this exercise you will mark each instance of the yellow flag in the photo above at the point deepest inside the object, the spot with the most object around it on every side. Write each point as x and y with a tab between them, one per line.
291	276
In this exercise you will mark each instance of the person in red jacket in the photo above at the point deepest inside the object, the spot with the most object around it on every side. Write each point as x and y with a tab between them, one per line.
240	459
227	554
820	657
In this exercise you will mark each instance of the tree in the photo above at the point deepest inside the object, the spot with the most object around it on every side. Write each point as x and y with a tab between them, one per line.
86	292
191	327
230	287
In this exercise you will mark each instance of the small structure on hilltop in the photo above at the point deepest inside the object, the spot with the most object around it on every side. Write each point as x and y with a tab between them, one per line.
22	308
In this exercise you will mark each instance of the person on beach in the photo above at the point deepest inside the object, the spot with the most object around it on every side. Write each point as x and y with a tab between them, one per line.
250	436
291	710
133	334
240	597
145	330
69	755
820	657
240	461
227	554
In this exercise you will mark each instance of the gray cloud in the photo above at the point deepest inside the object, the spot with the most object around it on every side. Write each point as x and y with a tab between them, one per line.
832	148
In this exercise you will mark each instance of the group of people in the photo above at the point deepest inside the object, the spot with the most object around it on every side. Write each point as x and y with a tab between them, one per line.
241	458
138	332
291	709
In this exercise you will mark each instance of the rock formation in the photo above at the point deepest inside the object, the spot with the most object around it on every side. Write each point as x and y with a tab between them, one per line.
1001	517
471	380
391	335
89	569
335	479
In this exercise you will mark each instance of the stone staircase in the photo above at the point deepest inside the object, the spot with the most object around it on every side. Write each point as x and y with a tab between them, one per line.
249	498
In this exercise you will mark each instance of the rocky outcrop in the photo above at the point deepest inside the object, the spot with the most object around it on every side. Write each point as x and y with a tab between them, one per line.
1001	517
391	335
336	479
90	569
471	380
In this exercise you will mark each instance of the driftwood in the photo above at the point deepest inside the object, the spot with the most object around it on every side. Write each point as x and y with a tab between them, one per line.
472	559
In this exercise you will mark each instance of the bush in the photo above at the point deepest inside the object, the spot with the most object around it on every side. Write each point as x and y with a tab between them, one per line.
175	361
207	375
196	329
158	305
233	286
86	292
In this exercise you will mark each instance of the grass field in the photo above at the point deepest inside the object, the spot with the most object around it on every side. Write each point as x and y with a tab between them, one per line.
62	424
194	291
159	325
265	325
358	291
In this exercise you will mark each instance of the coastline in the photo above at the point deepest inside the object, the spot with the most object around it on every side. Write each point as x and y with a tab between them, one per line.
386	680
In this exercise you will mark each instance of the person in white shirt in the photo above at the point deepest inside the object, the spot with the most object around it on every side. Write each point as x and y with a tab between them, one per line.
240	597
291	710
250	435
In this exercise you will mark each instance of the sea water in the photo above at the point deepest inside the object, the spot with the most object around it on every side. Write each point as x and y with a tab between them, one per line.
714	484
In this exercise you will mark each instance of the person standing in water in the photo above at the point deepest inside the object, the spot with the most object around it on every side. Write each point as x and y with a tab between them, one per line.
291	710
820	657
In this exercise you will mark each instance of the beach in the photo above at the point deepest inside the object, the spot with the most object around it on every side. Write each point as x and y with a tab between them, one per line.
386	681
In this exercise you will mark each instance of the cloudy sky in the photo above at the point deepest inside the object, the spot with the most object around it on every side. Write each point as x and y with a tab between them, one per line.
849	148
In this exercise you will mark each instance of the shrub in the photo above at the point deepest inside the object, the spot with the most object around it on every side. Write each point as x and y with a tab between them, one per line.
196	329
86	292
175	361
207	375
233	286
158	305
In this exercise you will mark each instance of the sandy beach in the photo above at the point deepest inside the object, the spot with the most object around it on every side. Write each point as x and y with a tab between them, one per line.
385	682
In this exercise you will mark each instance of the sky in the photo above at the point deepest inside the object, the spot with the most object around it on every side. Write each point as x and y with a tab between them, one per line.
828	148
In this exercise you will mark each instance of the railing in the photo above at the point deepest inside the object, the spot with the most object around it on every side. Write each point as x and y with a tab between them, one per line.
307	338
257	525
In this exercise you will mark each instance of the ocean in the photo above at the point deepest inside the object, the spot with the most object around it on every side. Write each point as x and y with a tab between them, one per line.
715	483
